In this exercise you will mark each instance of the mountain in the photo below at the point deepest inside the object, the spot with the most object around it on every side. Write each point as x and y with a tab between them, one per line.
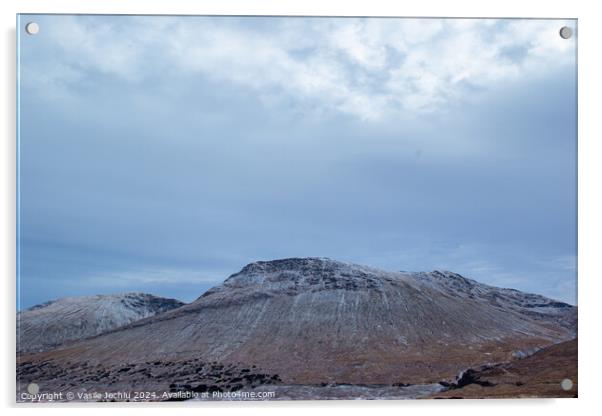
53	323
316	321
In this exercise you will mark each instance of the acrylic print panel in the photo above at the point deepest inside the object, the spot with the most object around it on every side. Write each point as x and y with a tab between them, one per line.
283	208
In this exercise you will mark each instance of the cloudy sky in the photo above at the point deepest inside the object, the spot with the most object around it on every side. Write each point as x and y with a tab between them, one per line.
162	154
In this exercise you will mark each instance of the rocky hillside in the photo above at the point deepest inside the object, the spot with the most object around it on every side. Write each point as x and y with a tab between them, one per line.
538	375
53	323
313	320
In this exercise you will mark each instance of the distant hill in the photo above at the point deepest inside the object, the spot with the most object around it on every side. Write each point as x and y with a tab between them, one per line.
53	323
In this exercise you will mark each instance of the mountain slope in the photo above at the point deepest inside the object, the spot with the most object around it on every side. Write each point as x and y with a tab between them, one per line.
315	320
53	323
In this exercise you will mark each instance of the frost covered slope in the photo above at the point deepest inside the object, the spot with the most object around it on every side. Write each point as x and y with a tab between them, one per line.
50	324
313	320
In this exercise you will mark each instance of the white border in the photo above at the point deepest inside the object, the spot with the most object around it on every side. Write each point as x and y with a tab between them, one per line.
590	206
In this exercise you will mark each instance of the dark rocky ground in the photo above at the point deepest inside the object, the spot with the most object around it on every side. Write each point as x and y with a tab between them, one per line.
536	375
157	376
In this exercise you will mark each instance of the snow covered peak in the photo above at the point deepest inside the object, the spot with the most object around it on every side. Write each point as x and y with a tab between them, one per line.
310	273
72	318
131	300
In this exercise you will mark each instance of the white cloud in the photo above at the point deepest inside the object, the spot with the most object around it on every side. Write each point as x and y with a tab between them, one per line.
368	68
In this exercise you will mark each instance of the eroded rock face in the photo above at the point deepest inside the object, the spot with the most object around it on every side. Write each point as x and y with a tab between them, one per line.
315	320
48	325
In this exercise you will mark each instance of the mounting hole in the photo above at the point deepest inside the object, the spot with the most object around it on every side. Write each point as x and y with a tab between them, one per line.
566	384
32	28
33	388
566	32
